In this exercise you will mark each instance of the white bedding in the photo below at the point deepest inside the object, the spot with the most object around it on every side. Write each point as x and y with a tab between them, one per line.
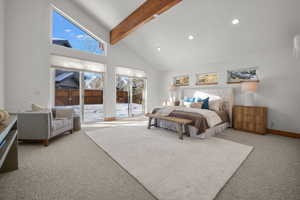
212	117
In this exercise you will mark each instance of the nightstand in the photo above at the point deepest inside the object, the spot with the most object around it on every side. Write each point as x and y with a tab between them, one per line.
250	118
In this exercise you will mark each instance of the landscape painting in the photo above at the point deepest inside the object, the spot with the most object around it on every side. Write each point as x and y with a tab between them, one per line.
182	80
240	75
207	79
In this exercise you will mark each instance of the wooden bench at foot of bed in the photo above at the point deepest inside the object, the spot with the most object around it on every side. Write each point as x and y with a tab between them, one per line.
181	123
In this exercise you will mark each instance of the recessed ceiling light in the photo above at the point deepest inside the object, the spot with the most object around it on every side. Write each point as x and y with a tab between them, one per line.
191	37
235	21
158	49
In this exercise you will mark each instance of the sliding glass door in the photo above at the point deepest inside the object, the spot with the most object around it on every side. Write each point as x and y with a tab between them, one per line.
92	96
130	96
82	91
138	96
67	90
123	96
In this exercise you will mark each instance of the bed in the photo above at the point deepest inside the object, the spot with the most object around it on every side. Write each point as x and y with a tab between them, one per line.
201	130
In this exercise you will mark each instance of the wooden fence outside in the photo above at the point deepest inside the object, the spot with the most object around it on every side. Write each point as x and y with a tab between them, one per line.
68	97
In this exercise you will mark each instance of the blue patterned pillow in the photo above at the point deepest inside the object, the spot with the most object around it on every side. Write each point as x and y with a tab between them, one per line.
190	100
197	99
205	104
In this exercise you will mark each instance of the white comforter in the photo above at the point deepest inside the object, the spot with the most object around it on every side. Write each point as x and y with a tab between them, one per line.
212	117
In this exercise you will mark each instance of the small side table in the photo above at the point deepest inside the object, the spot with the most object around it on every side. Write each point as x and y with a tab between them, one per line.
76	123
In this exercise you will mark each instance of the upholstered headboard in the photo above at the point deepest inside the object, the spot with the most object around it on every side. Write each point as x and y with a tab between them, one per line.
225	93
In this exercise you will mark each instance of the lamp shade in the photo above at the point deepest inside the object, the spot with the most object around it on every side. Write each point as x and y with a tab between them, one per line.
250	86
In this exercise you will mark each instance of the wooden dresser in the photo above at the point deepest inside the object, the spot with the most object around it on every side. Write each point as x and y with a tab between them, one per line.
250	118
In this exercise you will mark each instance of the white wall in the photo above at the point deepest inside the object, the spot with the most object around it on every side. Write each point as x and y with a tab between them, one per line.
278	87
1	53
28	54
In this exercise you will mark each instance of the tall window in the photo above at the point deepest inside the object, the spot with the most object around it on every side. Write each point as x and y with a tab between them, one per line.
67	34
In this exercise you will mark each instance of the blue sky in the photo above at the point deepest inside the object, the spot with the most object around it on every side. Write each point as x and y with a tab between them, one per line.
64	29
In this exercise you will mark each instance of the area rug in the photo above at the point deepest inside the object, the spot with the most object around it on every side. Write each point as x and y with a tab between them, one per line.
169	168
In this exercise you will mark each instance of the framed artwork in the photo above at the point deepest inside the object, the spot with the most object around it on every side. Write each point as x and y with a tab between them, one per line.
240	75
207	79
181	80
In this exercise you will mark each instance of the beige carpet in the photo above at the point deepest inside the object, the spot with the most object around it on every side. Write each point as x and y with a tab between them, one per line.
172	169
73	167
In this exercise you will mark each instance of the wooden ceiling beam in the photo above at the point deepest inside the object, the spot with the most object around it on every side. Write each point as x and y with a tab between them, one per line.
146	12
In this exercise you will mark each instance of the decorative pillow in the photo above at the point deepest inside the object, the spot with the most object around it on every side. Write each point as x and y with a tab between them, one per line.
177	103
187	104
197	105
205	103
190	100
3	116
38	108
197	99
170	103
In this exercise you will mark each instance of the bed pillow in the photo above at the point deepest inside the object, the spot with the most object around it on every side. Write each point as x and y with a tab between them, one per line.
197	105
205	102
187	104
198	99
38	108
190	100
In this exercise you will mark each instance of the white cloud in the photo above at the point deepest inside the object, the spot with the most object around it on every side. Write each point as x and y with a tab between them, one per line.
84	37
80	36
68	30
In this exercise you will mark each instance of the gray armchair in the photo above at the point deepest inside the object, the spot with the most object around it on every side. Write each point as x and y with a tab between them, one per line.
42	126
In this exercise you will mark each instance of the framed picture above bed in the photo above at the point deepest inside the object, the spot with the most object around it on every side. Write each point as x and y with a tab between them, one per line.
207	79
183	80
244	74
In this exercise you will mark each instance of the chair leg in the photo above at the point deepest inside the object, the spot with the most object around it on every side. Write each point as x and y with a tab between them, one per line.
46	143
149	122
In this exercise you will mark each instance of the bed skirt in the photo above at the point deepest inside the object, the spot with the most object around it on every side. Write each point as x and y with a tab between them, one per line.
193	130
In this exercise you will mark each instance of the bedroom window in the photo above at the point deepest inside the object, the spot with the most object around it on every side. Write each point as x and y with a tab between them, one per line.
67	34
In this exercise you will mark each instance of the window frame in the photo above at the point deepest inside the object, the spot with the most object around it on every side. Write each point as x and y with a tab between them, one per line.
74	22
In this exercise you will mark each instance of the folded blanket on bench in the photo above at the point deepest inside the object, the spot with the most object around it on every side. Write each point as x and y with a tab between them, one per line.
202	118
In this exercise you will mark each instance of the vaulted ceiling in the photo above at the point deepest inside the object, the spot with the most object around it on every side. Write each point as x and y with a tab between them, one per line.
264	25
